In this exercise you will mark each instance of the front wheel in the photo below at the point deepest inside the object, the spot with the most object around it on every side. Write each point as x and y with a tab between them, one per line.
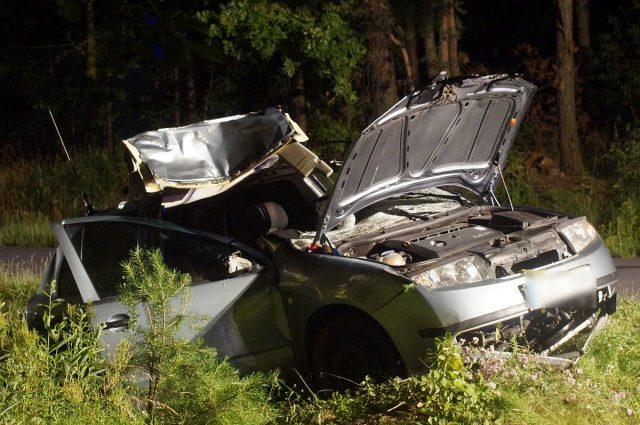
350	347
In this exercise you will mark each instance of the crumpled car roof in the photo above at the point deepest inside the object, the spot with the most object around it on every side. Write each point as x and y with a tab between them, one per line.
210	153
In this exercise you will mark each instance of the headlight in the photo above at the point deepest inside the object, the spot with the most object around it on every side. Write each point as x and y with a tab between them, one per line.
463	270
579	234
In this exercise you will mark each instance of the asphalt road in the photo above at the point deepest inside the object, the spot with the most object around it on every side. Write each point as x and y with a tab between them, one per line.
34	259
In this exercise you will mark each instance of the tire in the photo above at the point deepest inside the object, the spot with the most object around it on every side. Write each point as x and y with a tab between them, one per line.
348	348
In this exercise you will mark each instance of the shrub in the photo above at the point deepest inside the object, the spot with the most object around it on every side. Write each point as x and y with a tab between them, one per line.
625	155
188	383
62	375
449	393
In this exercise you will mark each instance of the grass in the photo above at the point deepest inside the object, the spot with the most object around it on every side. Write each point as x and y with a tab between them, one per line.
24	228
622	233
37	190
614	212
602	388
17	284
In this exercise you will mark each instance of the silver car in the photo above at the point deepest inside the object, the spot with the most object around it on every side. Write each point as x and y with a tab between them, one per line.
357	274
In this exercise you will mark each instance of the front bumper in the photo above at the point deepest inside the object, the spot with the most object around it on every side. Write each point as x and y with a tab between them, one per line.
468	308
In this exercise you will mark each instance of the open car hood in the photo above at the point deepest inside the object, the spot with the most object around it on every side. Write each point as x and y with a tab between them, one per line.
211	156
457	131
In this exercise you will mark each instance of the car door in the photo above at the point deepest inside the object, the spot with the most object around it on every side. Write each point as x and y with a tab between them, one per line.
96	247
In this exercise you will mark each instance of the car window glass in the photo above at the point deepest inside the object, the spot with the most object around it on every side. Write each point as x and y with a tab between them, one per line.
204	259
104	246
66	287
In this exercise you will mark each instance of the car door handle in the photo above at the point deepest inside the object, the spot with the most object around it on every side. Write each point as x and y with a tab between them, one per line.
117	322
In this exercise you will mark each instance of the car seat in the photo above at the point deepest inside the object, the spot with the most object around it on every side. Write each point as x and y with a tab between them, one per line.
262	219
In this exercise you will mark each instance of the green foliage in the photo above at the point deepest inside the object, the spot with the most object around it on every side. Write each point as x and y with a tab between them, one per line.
42	383
624	157
74	347
149	282
518	182
616	353
187	381
449	393
450	396
602	387
61	377
37	190
316	33
622	234
199	388
612	208
613	71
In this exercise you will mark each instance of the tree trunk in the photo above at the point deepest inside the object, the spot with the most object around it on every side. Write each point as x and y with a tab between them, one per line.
92	107
583	36
566	91
443	40
299	100
406	60
92	70
176	96
454	64
191	96
431	54
209	91
110	126
381	71
412	49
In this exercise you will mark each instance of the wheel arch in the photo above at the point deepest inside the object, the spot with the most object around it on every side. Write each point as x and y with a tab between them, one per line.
324	314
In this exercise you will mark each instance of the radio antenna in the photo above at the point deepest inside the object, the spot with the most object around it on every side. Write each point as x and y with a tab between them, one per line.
85	198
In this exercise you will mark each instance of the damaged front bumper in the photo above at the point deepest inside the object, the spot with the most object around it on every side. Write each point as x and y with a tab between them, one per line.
497	313
561	361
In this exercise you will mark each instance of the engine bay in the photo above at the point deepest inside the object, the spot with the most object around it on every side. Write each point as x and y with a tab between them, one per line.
505	241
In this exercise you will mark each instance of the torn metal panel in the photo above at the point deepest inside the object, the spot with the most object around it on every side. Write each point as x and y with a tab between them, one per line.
213	154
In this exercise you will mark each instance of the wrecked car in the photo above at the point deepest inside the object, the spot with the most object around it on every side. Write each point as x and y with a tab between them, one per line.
355	274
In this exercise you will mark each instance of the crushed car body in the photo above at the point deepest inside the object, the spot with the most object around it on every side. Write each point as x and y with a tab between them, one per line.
356	275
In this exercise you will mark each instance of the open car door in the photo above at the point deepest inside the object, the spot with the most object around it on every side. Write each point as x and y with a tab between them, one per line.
221	272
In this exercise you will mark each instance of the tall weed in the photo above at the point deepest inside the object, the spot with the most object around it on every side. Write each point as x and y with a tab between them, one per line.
25	228
61	377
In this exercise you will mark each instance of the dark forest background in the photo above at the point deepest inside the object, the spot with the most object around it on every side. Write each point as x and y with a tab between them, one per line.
111	69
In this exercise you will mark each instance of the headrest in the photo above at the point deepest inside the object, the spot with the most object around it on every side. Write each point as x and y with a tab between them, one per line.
272	216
